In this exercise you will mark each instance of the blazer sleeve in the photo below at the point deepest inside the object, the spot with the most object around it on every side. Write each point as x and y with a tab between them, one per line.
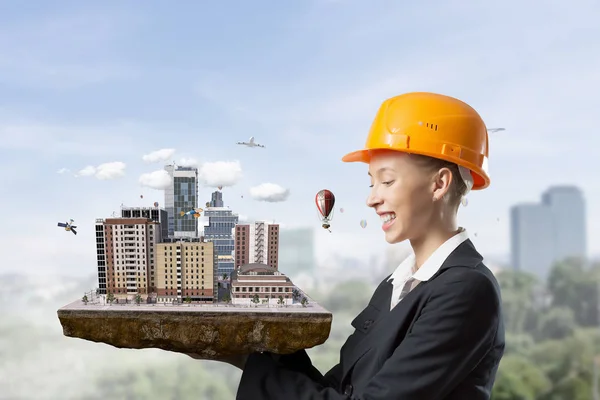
456	329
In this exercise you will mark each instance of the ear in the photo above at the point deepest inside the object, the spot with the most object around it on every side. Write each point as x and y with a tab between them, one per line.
442	181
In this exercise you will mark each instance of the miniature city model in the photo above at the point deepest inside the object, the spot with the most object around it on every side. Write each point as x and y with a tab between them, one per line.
169	293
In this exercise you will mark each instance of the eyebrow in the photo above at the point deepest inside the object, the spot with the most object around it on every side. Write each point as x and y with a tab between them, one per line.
380	170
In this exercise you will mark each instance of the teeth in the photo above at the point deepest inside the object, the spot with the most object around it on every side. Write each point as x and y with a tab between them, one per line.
388	217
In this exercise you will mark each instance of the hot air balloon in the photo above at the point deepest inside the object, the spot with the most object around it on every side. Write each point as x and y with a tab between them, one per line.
141	196
325	201
341	210
207	204
363	223
156	204
220	187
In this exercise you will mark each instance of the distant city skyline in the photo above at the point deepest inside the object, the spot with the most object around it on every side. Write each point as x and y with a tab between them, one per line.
548	231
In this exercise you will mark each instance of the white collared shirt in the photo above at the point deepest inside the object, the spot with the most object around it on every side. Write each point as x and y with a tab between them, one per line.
406	269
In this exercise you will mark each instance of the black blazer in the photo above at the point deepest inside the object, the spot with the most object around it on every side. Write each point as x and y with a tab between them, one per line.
443	341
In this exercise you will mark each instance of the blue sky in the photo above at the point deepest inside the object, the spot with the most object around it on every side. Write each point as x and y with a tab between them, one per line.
86	84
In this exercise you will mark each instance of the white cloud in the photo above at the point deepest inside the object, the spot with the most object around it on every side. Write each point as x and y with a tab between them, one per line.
87	171
188	162
62	171
243	218
159	155
220	173
156	180
110	170
269	192
106	171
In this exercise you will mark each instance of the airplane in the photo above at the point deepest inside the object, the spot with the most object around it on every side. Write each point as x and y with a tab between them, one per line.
250	143
68	226
196	212
492	130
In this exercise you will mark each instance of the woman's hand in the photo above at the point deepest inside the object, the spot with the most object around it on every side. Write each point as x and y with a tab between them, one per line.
238	361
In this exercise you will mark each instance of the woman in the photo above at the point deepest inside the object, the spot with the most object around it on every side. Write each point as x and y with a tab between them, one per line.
433	329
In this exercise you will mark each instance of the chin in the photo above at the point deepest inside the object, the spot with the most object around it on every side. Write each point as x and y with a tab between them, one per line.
393	237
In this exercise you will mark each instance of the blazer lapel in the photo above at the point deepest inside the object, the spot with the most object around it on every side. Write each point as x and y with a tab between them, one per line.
360	342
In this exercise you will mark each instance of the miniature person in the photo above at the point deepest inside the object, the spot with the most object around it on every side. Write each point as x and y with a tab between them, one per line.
433	329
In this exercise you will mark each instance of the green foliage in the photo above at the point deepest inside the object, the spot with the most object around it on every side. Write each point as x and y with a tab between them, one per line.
551	335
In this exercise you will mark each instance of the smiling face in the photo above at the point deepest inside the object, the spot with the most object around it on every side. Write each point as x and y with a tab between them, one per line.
406	194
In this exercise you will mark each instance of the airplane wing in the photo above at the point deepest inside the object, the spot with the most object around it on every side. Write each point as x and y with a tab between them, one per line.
73	230
261	145
243	143
62	225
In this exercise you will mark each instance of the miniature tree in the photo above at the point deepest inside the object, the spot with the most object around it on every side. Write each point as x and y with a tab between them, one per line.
255	299
188	299
280	301
110	298
224	277
138	299
304	301
85	299
227	297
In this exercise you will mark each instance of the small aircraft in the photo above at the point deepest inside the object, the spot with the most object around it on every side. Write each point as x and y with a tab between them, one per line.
250	143
493	130
196	212
68	226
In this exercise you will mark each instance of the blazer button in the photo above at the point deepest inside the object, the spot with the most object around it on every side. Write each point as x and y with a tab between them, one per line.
348	390
367	324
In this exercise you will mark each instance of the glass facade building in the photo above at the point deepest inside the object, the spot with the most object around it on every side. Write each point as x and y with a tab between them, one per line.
182	196
220	230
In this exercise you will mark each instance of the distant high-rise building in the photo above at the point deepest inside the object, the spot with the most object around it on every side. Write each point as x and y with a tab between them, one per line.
216	199
257	243
185	268
567	205
220	231
297	251
182	196
545	233
125	249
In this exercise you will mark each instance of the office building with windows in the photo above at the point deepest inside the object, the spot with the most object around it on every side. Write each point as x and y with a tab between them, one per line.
548	232
125	254
185	269
257	243
261	283
181	196
220	231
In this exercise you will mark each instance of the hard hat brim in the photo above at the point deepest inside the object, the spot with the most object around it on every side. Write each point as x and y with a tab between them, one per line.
357	156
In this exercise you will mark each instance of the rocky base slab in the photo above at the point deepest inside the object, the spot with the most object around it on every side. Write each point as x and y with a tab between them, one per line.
211	331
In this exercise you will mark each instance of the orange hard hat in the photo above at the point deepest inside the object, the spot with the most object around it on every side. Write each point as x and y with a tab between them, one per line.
432	125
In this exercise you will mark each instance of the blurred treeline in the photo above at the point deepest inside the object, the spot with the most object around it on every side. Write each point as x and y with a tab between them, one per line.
552	339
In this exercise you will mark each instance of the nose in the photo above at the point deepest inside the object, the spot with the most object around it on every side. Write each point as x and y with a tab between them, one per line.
374	199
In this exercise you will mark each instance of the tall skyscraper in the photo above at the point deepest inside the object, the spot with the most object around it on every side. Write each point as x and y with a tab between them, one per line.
182	196
220	231
548	232
216	199
567	205
257	243
297	251
125	251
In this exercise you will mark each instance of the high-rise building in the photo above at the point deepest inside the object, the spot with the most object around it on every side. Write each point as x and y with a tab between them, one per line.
125	251
182	196
297	251
216	199
156	214
220	231
548	232
257	243
567	205
185	268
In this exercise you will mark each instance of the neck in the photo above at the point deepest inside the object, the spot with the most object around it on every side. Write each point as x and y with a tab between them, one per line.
424	246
